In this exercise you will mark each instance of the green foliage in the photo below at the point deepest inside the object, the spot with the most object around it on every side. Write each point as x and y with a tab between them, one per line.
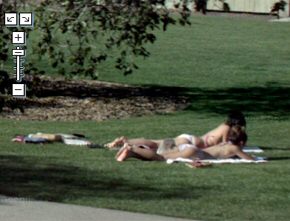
4	37
5	53
91	29
75	36
5	33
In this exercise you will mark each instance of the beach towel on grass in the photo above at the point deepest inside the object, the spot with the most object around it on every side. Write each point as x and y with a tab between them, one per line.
41	138
222	161
252	150
218	161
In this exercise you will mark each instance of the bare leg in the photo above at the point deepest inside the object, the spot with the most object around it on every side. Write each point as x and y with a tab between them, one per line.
124	153
186	153
120	141
121	151
144	142
146	153
117	142
127	151
158	142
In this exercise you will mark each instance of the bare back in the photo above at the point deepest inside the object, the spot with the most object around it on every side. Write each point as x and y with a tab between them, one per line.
217	135
226	150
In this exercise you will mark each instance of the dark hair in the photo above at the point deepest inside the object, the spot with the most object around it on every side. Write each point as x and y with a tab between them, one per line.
236	117
237	135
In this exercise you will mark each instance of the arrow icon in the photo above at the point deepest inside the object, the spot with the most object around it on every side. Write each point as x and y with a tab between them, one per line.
26	19
9	19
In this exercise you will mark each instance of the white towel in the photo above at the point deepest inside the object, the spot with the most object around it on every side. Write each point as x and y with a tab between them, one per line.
219	161
253	150
78	142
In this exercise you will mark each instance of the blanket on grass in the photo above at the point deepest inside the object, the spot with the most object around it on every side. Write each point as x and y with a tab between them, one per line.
42	138
218	161
253	150
222	161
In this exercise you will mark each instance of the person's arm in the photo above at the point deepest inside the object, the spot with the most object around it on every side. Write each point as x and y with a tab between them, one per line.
226	132
242	155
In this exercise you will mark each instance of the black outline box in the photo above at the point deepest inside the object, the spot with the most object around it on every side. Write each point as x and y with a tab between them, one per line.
23	20
18	52
7	23
23	42
19	90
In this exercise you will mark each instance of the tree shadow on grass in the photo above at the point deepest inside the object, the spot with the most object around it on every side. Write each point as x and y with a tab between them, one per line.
275	148
30	177
272	100
265	100
278	158
286	151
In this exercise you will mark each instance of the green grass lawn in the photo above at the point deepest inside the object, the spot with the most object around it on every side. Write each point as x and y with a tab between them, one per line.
215	52
220	63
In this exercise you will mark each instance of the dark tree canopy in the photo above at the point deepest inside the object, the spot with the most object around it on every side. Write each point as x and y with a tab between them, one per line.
75	36
80	33
93	28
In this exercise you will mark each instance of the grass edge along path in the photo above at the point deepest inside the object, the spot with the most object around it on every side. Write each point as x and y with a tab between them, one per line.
92	177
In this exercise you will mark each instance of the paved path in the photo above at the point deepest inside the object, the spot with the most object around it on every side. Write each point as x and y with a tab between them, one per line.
14	209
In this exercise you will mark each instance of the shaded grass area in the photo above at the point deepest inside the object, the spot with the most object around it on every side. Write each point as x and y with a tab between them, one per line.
78	175
271	99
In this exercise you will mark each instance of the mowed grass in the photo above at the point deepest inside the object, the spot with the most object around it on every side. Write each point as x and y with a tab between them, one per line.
78	175
220	63
215	52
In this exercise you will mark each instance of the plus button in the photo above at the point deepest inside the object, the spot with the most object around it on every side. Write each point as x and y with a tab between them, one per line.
18	37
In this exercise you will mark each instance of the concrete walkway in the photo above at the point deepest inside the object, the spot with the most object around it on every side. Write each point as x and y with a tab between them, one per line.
14	209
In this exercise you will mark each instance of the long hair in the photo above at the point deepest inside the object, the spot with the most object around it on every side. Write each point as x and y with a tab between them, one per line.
236	117
237	135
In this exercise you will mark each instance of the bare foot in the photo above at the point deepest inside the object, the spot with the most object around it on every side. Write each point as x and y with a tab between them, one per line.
121	150
117	142
124	153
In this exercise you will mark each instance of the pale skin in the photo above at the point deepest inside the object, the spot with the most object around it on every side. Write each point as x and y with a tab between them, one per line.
153	144
220	151
213	137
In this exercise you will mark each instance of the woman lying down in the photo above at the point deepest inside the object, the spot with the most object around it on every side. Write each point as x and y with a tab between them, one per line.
233	147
